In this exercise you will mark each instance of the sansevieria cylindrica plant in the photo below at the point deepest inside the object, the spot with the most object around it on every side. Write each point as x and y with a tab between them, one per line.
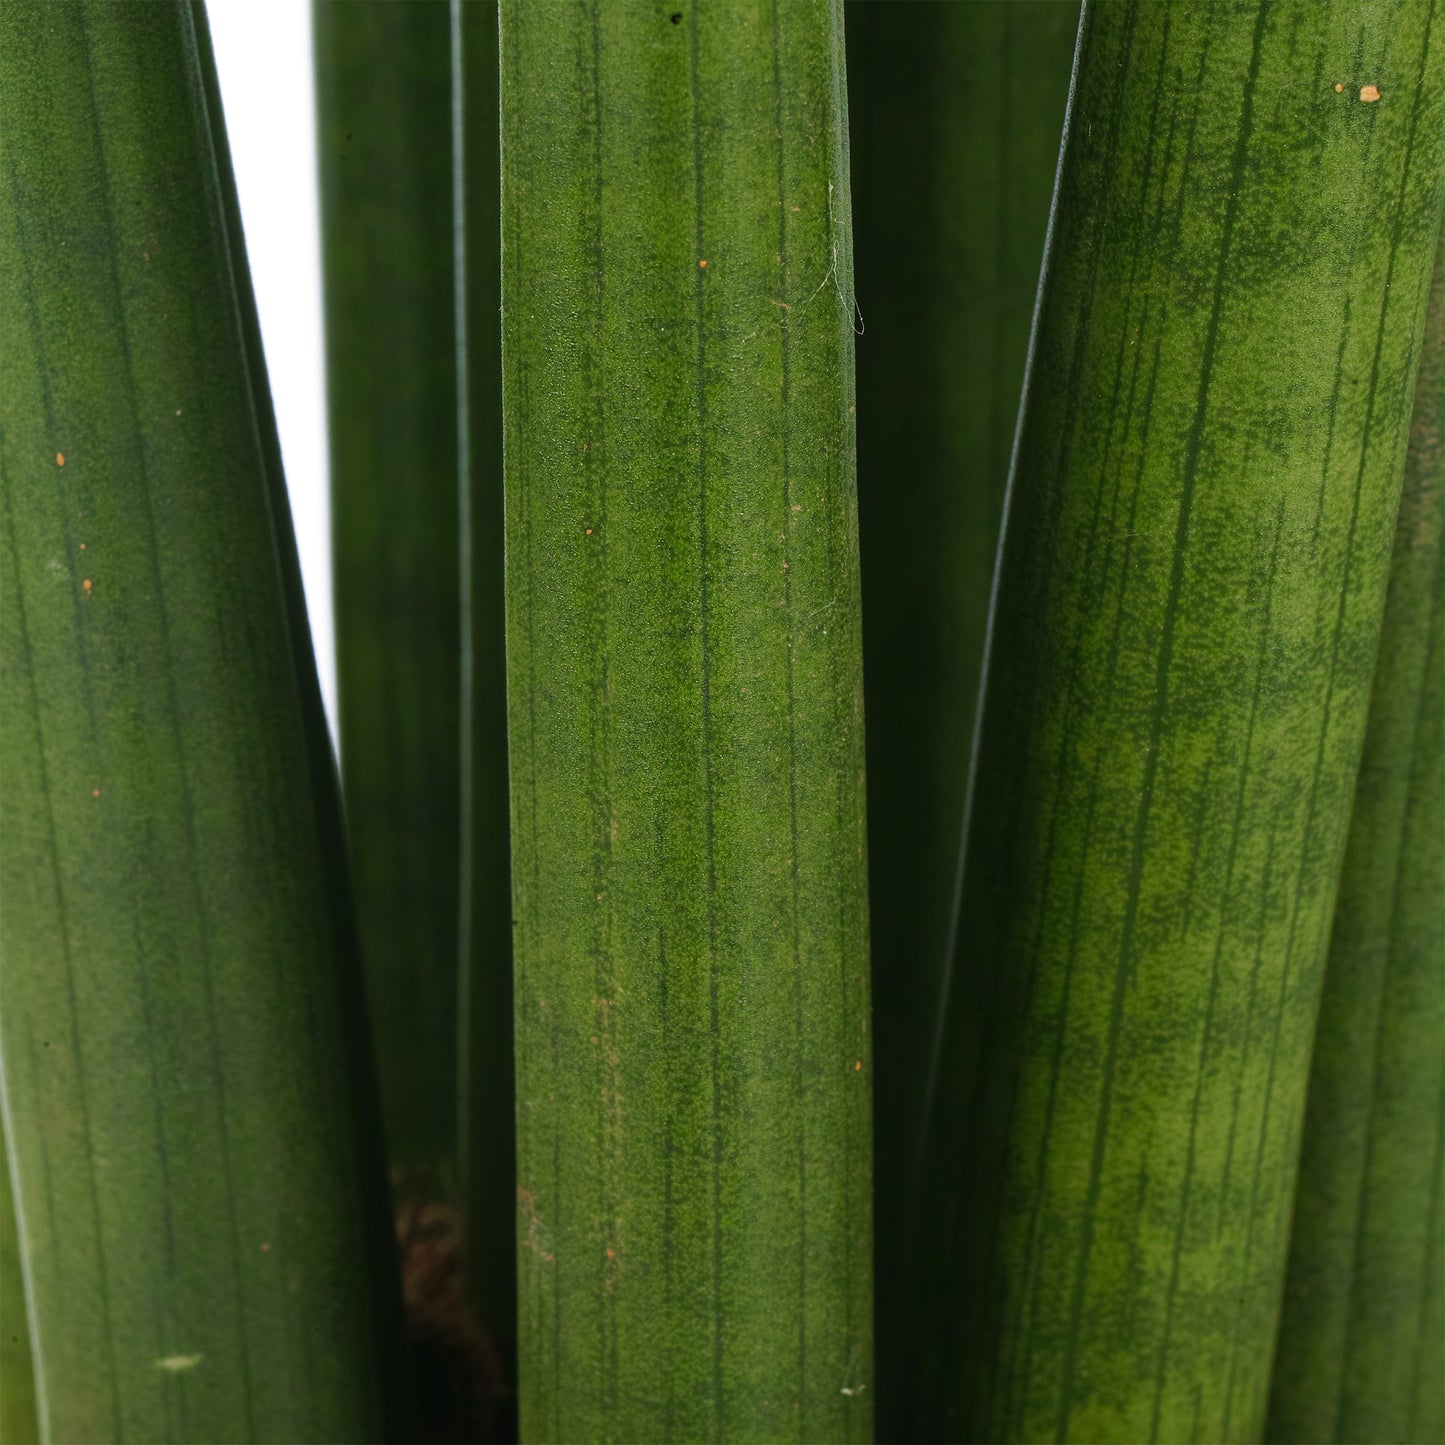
576	1012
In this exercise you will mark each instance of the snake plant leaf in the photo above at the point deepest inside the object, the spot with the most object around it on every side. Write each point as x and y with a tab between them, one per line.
486	1091
18	1422
949	237
1193	576
686	741
203	1209
1362	1331
383	74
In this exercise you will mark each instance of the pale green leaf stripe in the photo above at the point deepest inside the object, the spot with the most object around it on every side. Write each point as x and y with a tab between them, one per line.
685	724
177	1031
1194	574
953	165
383	73
1361	1354
18	1422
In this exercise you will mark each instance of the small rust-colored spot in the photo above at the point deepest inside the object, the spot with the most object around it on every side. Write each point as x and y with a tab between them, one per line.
589	531
702	265
86	584
1369	93
611	1254
60	459
82	546
95	792
858	1066
265	1249
1338	87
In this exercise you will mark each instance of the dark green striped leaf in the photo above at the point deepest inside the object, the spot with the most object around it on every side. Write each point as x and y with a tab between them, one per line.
955	112
203	1205
1193	578
1362	1333
488	1134
385	138
685	721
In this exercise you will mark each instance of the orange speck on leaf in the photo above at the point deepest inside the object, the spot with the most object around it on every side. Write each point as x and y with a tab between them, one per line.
1338	87
265	1249
857	1066
60	459
82	546
86	584
611	1254
95	792
589	531
702	265
1369	93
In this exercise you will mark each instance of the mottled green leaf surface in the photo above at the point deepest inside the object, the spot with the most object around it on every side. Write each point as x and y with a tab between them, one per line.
18	1423
685	723
955	112
487	1097
1194	572
385	139
1361	1352
178	1035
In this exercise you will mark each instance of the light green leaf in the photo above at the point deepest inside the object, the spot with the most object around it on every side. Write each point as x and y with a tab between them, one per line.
685	708
1361	1352
1193	577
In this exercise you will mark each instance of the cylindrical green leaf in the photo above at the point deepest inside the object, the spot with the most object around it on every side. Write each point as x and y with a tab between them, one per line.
1197	548
955	113
487	1099
1361	1352
203	1209
685	715
385	138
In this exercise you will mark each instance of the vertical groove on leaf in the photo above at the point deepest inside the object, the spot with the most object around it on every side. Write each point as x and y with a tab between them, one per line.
953	170
1361	1332
179	1087
1194	571
686	729
385	140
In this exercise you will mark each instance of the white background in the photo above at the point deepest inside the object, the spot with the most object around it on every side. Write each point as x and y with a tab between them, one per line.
263	55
